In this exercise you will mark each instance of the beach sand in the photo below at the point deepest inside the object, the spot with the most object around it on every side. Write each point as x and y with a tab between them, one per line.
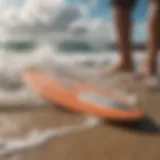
106	141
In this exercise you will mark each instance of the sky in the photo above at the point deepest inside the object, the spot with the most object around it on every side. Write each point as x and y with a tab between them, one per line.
102	8
91	19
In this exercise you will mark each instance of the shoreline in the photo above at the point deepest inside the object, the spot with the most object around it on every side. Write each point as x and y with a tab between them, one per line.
104	141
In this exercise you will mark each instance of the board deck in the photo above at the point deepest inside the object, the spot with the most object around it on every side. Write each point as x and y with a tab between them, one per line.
77	96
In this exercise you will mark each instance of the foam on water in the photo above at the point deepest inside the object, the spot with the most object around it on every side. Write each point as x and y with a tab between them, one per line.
37	138
14	91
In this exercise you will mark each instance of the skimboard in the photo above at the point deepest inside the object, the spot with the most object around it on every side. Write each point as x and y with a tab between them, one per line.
80	97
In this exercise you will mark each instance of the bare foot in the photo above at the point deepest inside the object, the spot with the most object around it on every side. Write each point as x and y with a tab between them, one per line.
148	69
150	78
116	68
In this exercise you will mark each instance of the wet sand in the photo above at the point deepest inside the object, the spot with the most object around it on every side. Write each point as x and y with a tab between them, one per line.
136	141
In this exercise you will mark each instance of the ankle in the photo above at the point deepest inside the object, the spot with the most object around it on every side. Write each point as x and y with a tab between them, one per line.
127	65
151	66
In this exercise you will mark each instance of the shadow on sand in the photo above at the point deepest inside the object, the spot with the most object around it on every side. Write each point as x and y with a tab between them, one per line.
145	125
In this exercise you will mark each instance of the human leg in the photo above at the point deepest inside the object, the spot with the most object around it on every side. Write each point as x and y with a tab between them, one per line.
122	10
150	66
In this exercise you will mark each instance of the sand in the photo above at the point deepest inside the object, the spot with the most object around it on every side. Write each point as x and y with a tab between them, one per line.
106	141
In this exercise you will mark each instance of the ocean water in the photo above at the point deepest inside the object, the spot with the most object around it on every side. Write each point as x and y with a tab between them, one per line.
15	58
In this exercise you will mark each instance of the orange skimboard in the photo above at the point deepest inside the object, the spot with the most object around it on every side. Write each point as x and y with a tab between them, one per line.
80	97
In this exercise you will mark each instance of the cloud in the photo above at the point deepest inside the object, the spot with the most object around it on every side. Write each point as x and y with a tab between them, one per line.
57	19
39	17
48	18
93	30
51	19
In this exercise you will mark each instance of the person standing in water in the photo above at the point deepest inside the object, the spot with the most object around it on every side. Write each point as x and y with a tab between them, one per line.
122	10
